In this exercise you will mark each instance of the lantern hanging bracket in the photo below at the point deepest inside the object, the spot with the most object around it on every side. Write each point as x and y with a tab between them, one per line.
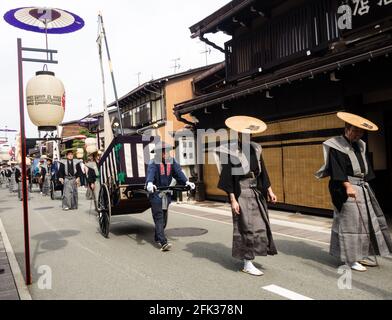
49	55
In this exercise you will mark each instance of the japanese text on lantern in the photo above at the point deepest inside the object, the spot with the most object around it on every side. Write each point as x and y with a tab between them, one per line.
44	99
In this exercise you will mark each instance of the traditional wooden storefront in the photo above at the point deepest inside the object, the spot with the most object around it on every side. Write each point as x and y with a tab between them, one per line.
290	65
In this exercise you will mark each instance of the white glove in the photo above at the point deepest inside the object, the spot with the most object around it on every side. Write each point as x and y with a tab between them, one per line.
191	185
151	187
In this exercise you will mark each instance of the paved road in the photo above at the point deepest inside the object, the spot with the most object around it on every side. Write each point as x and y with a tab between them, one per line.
84	265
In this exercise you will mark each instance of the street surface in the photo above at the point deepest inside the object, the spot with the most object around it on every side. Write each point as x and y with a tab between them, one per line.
128	265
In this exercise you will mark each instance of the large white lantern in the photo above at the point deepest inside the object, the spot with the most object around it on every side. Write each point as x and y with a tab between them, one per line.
91	145
45	96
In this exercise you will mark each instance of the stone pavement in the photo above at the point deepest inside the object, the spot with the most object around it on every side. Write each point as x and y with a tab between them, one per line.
8	290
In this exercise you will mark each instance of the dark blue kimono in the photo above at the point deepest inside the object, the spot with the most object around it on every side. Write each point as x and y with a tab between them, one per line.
161	174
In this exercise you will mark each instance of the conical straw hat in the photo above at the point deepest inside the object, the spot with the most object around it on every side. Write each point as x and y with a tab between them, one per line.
357	121
246	124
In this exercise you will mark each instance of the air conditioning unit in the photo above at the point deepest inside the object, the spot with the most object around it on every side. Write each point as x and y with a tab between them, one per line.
187	151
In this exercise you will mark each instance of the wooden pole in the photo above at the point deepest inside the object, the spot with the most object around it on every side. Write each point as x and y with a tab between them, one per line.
24	168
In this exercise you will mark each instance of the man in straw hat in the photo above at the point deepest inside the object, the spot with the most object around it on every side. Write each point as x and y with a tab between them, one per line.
160	172
244	177
359	227
69	175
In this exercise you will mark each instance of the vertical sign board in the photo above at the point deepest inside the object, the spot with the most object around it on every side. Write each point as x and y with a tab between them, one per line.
364	14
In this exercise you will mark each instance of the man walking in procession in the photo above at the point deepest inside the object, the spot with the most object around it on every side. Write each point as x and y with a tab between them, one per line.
161	170
359	227
69	175
244	177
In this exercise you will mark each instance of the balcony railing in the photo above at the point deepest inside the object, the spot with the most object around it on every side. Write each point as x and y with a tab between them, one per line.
284	39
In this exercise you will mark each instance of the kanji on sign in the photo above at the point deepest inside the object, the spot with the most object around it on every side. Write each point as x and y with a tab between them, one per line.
361	7
384	2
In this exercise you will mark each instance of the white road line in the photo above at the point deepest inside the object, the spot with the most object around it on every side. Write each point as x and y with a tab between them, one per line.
276	233
23	291
291	295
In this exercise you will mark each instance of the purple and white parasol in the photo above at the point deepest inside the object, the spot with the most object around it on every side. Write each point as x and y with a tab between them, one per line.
44	20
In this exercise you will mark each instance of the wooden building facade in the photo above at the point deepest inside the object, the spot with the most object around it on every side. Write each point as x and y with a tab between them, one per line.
294	64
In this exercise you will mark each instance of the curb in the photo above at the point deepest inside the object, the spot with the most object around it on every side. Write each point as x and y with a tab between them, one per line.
23	291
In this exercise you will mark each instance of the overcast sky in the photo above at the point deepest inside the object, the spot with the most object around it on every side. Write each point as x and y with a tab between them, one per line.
144	36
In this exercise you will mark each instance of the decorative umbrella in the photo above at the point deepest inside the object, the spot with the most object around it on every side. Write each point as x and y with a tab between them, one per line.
44	20
87	122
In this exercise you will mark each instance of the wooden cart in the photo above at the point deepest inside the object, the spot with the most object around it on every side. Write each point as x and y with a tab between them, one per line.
123	170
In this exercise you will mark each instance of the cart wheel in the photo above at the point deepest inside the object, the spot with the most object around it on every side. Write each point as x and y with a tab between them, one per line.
52	190
165	218
104	210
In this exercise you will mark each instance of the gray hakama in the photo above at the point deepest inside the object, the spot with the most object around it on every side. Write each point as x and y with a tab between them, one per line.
46	185
352	227
359	227
251	228
70	193
13	184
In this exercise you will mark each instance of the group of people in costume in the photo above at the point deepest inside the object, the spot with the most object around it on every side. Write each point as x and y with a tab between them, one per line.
71	172
44	171
359	228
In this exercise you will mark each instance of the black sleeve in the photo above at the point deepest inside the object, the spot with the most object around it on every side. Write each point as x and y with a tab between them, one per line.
43	172
17	175
265	180
226	181
61	172
79	172
91	176
337	165
370	175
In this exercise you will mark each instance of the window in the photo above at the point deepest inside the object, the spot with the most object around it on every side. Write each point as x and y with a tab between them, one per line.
156	110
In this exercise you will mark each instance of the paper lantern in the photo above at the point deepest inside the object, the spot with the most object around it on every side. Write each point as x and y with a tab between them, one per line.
5	153
79	153
91	145
45	96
